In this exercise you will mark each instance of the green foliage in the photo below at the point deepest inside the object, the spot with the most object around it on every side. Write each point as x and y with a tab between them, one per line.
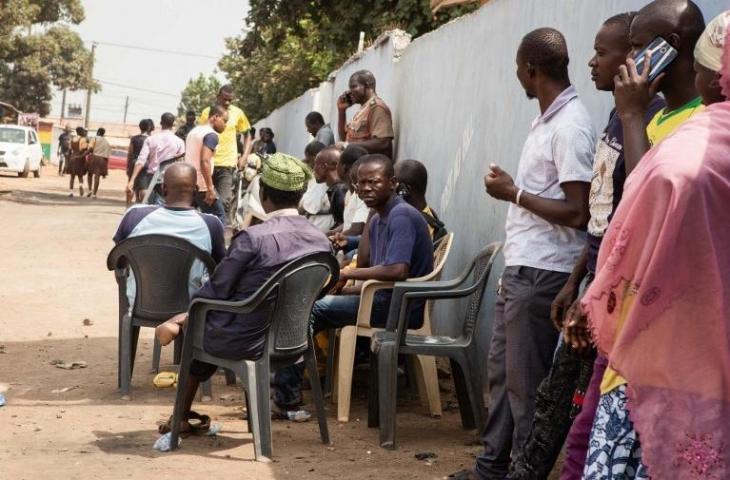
292	45
198	93
54	55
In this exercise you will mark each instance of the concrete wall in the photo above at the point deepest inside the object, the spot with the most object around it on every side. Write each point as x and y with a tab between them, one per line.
458	107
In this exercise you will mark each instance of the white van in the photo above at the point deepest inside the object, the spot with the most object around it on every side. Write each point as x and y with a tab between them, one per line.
20	150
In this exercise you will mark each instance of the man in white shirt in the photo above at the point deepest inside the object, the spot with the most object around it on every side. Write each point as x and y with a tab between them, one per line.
200	145
315	205
544	237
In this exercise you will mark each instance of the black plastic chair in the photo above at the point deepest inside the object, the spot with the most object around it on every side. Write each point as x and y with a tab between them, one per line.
461	350
161	265
289	295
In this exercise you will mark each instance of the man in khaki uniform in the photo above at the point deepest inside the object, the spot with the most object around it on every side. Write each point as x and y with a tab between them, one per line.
372	126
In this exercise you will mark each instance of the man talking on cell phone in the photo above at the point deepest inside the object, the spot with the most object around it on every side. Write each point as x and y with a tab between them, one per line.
372	125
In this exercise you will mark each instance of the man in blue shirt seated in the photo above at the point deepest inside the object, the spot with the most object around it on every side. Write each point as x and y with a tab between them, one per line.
399	246
254	255
177	218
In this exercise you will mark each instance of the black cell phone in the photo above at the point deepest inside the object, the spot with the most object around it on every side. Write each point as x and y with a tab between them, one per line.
348	98
662	55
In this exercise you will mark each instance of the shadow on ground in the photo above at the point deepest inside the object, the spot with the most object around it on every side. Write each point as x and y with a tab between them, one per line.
46	198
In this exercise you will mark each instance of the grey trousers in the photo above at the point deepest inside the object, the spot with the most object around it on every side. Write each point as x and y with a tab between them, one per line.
521	352
223	182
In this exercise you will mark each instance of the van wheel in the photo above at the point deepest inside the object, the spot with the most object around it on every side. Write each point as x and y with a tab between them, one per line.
26	170
37	173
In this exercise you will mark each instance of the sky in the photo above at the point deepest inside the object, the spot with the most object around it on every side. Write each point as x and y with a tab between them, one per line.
189	26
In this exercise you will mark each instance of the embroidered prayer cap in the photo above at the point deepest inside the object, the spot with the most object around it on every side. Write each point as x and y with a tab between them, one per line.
284	172
709	48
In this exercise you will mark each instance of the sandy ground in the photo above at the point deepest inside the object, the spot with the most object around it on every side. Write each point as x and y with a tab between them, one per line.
72	424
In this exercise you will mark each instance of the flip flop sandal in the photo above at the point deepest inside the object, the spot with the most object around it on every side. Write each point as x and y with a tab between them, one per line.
185	430
201	426
165	379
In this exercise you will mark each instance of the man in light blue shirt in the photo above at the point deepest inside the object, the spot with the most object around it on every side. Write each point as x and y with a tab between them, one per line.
177	218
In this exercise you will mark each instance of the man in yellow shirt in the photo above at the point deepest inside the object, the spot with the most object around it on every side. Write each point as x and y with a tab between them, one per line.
226	159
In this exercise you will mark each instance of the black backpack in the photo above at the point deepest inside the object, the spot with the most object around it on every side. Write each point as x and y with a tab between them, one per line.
439	229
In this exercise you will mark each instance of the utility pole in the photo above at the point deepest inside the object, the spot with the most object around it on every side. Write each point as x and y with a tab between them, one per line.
89	85
126	107
63	105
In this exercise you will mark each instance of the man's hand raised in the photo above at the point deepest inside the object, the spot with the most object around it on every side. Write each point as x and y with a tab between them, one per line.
499	184
633	91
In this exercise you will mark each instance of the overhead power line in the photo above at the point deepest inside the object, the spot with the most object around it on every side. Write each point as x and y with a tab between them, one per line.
131	87
158	50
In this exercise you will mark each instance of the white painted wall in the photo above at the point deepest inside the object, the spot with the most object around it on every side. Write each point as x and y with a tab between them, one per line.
457	107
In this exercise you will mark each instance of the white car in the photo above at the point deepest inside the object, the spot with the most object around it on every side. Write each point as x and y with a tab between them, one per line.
20	150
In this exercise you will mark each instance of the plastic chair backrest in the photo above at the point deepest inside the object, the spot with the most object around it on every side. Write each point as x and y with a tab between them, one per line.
161	266
440	255
298	286
482	266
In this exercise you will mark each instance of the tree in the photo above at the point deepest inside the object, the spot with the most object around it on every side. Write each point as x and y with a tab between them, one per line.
292	45
32	63
199	93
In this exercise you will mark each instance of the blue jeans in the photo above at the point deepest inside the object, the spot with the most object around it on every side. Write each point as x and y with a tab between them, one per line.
332	311
337	311
215	209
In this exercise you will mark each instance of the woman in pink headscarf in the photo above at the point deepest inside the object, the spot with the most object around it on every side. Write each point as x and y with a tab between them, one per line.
659	309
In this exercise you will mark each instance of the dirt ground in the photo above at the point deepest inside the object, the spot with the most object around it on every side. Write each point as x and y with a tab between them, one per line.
72	424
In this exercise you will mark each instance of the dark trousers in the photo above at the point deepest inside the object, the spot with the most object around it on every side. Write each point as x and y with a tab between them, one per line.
332	311
520	355
223	182
287	382
215	209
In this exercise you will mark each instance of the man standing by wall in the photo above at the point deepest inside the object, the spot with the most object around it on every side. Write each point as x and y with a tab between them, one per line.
550	205
322	132
372	125
226	158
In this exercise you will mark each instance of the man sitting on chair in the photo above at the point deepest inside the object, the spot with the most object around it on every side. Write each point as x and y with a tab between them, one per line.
254	256
400	247
177	218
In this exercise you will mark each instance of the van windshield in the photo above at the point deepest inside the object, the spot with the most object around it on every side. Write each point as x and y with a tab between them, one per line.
12	135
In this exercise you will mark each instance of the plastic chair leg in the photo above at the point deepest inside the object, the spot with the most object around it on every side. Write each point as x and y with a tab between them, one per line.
177	348
428	384
476	395
125	355
373	393
387	392
260	408
134	343
182	381
345	367
462	392
156	350
310	361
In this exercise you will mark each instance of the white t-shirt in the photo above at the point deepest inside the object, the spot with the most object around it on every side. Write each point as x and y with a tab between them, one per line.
559	148
355	211
317	206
